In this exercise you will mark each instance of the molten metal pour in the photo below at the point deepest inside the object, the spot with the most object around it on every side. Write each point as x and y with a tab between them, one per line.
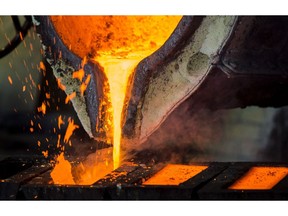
209	60
118	44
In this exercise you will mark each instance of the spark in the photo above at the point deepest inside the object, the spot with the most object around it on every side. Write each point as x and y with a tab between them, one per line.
10	80
60	121
60	85
45	153
85	84
69	131
42	108
70	97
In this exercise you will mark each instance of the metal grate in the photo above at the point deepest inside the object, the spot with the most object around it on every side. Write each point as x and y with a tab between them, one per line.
33	182
21	31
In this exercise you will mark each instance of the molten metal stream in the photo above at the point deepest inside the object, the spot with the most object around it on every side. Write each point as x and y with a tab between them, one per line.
117	72
144	36
118	44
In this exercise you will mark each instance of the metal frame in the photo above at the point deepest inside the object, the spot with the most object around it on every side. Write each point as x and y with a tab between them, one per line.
17	38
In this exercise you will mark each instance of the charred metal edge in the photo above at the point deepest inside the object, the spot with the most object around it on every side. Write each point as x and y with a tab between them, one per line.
53	46
10	166
55	50
43	178
135	175
206	175
148	67
10	187
282	185
62	192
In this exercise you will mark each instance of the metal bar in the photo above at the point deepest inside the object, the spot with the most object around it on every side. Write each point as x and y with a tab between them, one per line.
218	188
9	187
16	23
17	39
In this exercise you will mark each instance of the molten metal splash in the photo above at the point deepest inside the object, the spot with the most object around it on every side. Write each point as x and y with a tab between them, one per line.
61	174
95	167
129	39
70	129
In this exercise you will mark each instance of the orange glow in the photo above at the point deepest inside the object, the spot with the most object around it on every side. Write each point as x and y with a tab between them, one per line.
78	74
45	153
39	126
60	121
260	178
117	72
10	80
42	66
95	167
60	85
71	127
85	84
42	108
47	95
58	141
174	174
21	36
127	41
61	174
70	97
118	44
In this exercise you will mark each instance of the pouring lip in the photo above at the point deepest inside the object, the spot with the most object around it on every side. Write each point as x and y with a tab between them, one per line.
148	66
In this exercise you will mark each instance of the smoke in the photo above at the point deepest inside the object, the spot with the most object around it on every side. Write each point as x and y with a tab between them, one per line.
277	148
185	135
189	135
